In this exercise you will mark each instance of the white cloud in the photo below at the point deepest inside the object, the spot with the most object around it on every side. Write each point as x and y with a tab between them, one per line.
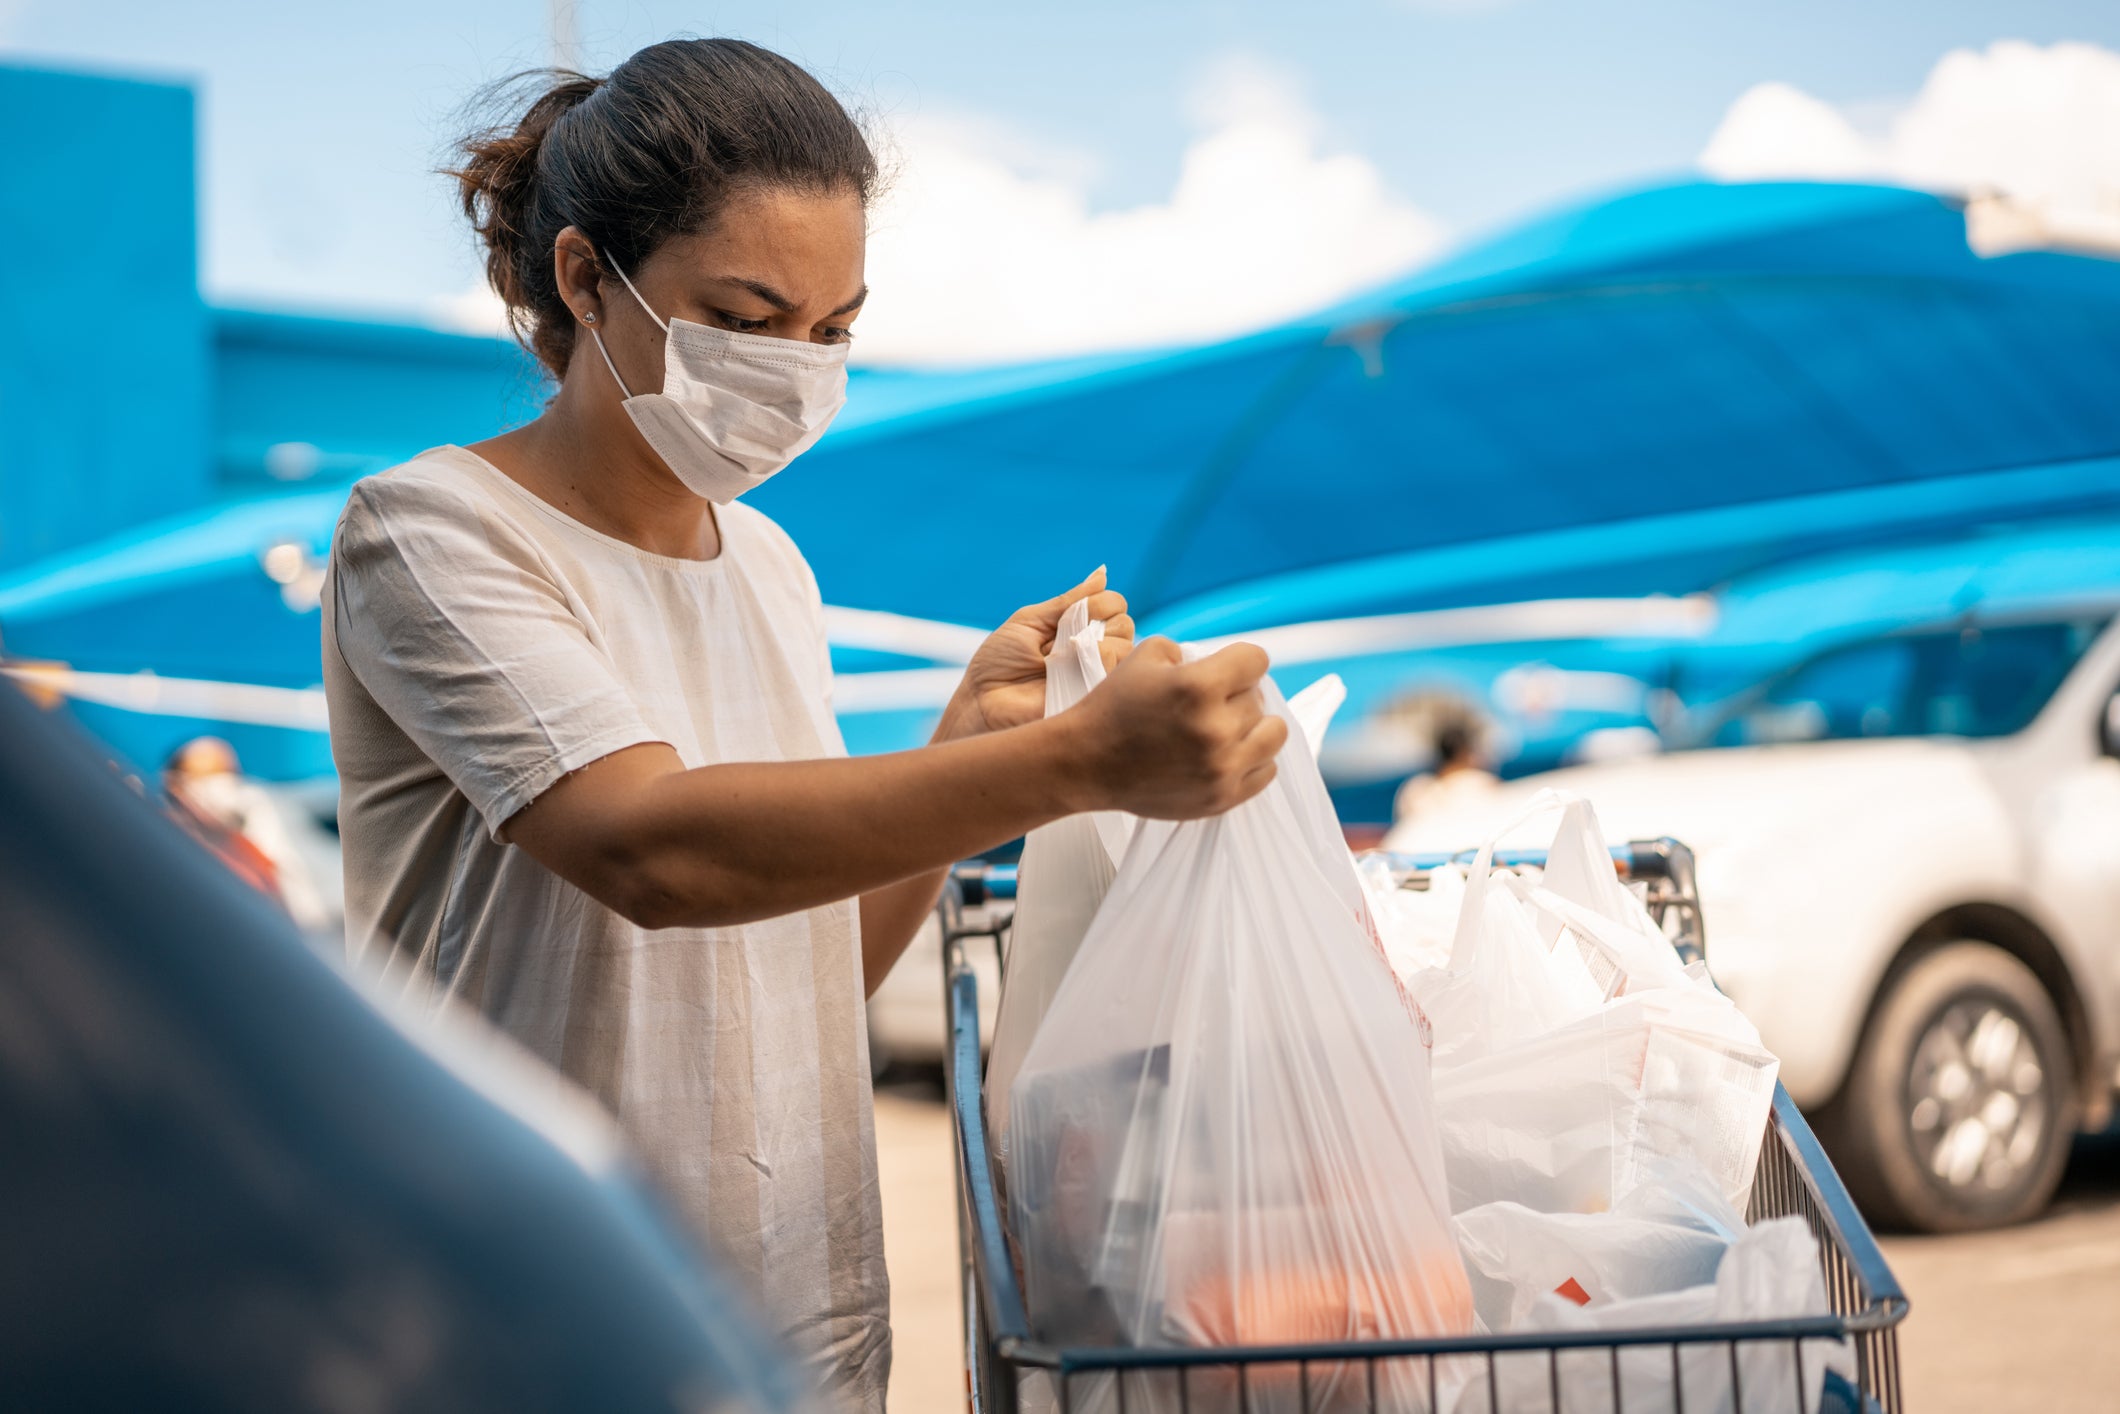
2038	128
477	310
1774	130
984	250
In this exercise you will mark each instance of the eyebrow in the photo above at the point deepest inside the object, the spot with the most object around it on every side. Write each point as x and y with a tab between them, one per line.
782	303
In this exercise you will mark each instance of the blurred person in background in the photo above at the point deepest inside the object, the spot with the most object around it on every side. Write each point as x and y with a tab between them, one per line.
580	693
235	818
1464	769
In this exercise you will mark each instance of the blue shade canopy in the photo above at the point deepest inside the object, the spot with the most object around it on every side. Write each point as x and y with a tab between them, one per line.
1653	392
1662	392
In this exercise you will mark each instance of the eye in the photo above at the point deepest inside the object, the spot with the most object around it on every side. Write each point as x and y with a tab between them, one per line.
836	335
740	324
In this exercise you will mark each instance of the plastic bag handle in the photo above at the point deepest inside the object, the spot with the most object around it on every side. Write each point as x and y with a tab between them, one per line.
1595	926
1076	663
1314	708
1471	913
1073	669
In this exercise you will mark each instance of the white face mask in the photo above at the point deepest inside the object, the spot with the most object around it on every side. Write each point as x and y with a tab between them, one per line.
734	408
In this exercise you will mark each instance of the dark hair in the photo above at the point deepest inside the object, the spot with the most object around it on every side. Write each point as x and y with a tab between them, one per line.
1455	741
649	152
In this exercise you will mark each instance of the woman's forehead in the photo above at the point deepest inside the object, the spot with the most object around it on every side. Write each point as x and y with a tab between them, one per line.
807	245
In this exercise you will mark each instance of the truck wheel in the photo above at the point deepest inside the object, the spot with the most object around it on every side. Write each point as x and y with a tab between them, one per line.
1960	1105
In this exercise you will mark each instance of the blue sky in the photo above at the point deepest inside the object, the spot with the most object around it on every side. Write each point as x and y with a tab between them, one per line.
322	122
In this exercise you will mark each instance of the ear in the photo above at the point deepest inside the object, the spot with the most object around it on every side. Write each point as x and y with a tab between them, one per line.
578	273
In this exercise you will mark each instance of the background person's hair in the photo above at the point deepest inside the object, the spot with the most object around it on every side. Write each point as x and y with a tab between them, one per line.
1455	741
649	152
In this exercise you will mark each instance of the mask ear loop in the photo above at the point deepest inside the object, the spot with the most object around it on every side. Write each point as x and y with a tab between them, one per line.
600	338
608	363
636	296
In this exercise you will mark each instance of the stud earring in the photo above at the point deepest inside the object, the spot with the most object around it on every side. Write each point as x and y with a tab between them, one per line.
589	318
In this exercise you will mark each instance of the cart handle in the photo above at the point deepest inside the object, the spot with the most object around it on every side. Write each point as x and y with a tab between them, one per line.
1664	866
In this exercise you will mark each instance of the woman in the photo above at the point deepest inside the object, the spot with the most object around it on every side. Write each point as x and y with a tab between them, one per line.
580	694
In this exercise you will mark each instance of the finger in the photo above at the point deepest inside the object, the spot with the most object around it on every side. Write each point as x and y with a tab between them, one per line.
1264	741
1106	605
1258	778
1235	670
1157	650
1046	616
1244	712
1115	647
1120	631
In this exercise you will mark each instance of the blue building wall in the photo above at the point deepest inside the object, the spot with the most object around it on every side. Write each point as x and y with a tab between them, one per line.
106	374
302	399
138	424
125	400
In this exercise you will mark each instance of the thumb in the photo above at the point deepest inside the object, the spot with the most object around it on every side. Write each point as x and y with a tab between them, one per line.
1046	616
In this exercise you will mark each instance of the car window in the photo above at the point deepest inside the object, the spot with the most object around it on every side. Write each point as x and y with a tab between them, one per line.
1973	682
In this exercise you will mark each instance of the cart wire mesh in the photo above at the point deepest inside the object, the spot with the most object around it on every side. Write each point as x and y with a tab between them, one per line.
1761	1366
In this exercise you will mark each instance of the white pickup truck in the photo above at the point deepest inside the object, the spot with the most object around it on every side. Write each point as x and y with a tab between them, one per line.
1909	867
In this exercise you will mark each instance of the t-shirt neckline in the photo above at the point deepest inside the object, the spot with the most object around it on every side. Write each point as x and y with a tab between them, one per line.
560	517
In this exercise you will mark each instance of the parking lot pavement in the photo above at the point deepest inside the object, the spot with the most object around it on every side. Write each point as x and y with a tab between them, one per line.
2026	1319
917	1169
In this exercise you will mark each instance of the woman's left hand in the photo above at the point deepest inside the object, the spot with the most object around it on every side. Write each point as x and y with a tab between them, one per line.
1004	684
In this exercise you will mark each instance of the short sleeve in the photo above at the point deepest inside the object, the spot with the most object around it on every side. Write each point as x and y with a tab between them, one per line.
447	615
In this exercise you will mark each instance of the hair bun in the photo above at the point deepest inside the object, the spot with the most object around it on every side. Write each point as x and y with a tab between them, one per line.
497	179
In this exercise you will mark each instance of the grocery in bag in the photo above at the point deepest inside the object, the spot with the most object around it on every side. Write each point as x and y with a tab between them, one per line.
1223	1131
1574	1054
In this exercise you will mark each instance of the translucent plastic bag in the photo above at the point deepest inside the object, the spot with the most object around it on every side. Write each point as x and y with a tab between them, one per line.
1416	925
1574	1053
1223	1131
1504	984
1314	708
1068	866
1063	875
1664	1236
1770	1272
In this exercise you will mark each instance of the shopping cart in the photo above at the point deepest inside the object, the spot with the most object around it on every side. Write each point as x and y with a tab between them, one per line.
1794	1178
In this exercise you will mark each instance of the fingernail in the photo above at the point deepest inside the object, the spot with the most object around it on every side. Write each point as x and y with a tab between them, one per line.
1097	571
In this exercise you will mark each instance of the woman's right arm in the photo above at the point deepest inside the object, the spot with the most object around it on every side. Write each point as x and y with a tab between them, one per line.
716	845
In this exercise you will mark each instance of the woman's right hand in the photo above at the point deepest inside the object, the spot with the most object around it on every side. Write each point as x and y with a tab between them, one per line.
1173	740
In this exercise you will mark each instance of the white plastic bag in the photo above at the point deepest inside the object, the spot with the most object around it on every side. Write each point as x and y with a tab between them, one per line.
1061	879
1223	1131
1769	1272
1574	1054
1416	924
1573	1120
1504	984
1068	865
1314	707
1664	1236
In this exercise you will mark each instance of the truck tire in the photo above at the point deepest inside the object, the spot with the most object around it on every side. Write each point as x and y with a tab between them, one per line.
1961	1103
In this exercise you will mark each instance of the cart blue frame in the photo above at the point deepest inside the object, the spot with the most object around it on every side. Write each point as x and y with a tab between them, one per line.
1794	1178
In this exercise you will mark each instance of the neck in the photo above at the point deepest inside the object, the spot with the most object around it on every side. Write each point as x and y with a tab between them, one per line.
583	456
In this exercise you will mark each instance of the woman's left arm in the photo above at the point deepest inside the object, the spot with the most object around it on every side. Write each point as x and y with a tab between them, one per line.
1003	686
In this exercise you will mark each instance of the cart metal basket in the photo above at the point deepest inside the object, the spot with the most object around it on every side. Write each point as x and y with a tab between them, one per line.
1794	1178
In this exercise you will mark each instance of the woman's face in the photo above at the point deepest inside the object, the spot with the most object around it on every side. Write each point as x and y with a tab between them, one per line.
779	263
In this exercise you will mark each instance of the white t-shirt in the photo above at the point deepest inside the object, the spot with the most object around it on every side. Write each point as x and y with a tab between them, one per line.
479	644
